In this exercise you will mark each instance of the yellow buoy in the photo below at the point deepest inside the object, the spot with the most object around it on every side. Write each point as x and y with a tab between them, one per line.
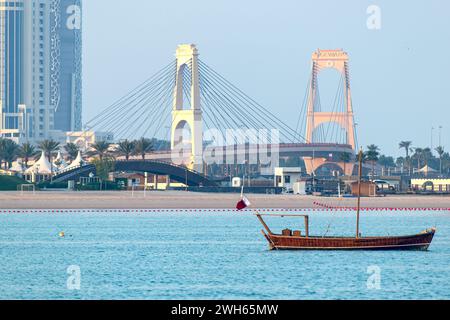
62	234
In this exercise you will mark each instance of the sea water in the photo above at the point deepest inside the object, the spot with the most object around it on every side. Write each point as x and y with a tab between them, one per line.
213	255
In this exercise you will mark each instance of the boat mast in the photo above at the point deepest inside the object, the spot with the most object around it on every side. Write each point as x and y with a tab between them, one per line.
360	158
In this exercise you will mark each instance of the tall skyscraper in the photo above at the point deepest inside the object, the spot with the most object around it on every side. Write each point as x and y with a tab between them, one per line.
65	72
43	99
11	65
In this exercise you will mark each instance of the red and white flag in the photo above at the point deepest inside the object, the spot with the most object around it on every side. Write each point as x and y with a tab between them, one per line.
243	203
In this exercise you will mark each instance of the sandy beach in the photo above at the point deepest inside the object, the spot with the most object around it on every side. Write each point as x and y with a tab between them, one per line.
188	200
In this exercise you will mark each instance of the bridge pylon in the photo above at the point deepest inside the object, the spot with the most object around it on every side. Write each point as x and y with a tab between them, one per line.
187	117
321	60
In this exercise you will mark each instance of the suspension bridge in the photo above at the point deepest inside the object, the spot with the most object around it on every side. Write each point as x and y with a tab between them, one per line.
195	107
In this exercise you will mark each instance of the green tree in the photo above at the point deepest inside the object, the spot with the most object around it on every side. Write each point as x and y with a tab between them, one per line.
26	152
446	163
372	155
440	151
126	148
101	149
2	151
143	146
49	147
103	167
400	162
72	150
428	156
407	146
386	162
345	158
418	154
9	151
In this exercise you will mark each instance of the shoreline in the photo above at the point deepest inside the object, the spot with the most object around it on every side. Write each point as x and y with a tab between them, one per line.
178	200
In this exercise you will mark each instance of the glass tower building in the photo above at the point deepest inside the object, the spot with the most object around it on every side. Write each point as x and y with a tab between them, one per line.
40	68
65	64
11	65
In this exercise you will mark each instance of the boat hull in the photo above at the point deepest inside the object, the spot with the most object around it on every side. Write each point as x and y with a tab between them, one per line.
419	242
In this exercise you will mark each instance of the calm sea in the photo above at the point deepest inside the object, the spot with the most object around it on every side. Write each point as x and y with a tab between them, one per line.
212	256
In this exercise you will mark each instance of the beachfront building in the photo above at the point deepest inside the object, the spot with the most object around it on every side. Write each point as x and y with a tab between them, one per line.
18	167
84	139
431	185
287	177
40	69
139	181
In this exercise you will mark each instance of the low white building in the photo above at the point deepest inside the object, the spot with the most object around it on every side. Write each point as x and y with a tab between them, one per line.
287	177
84	139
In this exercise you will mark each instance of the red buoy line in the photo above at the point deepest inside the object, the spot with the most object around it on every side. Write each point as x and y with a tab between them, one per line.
322	208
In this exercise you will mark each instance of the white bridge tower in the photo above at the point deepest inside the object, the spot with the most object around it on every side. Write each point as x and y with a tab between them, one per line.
187	121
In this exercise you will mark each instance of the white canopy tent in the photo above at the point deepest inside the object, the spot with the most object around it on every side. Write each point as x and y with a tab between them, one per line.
59	162
41	170
427	169
78	162
42	166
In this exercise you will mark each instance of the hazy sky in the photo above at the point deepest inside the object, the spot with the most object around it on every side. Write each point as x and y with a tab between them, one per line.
400	74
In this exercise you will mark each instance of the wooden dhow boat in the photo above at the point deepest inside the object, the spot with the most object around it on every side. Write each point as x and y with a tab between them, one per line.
294	240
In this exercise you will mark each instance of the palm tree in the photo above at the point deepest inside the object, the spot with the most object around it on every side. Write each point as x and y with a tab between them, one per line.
101	149
440	151
72	150
27	151
427	155
400	162
126	148
49	147
2	151
9	150
386	162
345	158
372	155
407	146
142	146
418	153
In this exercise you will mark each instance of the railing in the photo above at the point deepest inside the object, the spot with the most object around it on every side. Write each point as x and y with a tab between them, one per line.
60	172
66	174
165	163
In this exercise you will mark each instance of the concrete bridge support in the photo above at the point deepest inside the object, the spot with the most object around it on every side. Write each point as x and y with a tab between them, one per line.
313	164
187	151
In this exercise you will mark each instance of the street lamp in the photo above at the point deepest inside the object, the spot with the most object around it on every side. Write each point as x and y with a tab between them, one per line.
432	131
